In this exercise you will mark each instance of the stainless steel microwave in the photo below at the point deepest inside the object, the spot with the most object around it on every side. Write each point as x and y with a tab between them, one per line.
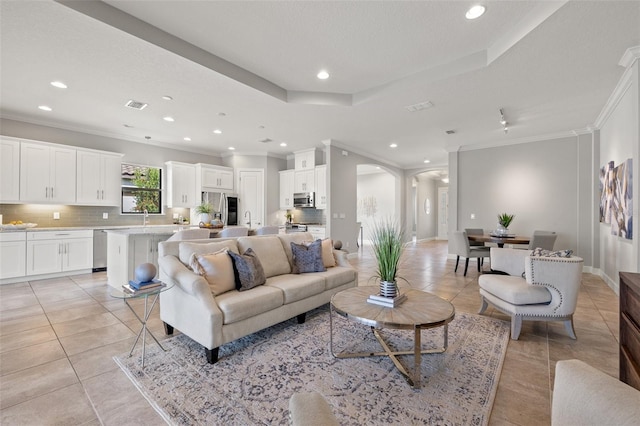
304	199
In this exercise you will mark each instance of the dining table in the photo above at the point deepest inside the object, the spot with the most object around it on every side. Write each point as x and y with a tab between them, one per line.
500	240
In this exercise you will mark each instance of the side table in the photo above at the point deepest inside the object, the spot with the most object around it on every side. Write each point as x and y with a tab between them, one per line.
120	294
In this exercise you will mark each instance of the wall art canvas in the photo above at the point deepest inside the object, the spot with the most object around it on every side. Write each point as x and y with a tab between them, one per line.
606	191
621	205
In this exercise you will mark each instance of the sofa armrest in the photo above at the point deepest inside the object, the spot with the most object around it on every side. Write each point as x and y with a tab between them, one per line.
174	272
508	260
583	395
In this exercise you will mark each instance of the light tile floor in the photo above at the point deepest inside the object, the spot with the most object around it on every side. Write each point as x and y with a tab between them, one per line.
58	337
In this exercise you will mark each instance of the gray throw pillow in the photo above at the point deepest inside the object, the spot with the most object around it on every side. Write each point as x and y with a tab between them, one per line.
247	270
307	258
548	253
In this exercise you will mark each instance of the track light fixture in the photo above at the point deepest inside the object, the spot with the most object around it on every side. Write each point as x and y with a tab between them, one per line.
503	121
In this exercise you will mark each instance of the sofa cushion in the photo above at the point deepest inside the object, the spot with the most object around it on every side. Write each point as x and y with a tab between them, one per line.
217	269
297	287
514	290
247	270
335	277
239	305
327	252
307	258
186	249
269	251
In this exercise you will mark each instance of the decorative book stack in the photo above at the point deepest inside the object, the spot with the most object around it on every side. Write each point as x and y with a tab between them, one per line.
137	287
389	302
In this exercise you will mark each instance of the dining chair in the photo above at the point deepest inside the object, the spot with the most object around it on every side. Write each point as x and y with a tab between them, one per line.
542	239
267	230
234	231
460	247
190	234
475	231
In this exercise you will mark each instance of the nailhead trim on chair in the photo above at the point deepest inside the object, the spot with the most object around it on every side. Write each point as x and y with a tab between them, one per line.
533	282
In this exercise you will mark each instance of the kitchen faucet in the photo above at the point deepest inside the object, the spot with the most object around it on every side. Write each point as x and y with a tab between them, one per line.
145	217
245	216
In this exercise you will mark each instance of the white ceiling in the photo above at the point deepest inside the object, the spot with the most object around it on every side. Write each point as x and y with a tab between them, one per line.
550	65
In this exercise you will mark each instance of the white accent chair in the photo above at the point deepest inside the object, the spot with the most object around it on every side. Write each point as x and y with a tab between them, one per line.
190	234
547	292
543	239
585	396
234	231
267	230
460	247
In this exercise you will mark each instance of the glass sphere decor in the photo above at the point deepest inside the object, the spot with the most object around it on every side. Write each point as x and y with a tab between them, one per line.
145	272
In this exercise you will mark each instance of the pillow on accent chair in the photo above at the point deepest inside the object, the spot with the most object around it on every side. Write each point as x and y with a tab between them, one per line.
548	253
307	258
247	269
217	269
327	252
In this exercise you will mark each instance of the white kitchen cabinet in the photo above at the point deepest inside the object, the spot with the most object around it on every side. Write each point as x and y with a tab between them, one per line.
127	249
305	160
59	251
47	173
181	185
286	189
304	181
210	178
318	232
98	176
9	171
13	254
321	187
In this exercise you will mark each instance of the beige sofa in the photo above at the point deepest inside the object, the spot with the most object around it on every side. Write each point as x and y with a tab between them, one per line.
191	307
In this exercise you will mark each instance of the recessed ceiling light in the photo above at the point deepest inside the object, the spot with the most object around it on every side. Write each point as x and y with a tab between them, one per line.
426	161
167	98
45	108
283	144
445	180
323	75
231	148
59	84
393	145
188	139
169	119
475	11
217	131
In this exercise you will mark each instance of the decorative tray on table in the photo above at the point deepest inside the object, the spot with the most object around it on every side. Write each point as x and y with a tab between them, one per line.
210	226
10	226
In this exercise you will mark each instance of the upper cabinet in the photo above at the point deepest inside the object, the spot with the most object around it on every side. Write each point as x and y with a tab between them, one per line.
211	178
98	178
304	180
181	185
305	160
286	189
321	187
9	171
47	173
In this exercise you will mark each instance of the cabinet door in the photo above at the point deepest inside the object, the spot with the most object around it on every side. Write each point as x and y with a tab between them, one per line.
44	256
305	160
78	254
34	172
226	179
304	181
63	175
117	259
182	185
321	187
9	171
286	189
111	174
140	251
13	260
88	178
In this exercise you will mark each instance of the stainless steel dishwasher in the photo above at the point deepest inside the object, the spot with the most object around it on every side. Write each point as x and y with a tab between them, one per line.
99	250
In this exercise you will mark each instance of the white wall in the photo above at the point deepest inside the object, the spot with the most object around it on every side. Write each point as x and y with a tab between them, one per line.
427	224
379	189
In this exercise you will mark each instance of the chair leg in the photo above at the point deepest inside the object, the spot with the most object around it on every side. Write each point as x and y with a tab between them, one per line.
516	326
479	264
457	260
484	305
466	266
568	325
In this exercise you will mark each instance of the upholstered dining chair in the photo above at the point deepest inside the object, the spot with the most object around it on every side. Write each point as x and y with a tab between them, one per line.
536	288
267	230
475	231
234	231
460	247
543	239
190	234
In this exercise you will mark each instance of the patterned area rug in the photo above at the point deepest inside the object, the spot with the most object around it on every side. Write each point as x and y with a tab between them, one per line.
252	382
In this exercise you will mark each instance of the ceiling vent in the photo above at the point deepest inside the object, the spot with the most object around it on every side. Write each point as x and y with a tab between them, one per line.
266	140
450	132
135	104
419	107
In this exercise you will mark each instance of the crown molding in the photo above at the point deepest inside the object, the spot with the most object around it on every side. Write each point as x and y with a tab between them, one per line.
631	55
331	142
629	58
538	138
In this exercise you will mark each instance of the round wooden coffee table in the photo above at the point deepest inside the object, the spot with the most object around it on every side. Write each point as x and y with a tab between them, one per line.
420	310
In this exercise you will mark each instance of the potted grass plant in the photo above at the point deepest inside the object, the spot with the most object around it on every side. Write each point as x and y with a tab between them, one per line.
204	210
387	242
504	220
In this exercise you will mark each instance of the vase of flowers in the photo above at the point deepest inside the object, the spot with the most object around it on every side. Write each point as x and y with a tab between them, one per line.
504	220
387	242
